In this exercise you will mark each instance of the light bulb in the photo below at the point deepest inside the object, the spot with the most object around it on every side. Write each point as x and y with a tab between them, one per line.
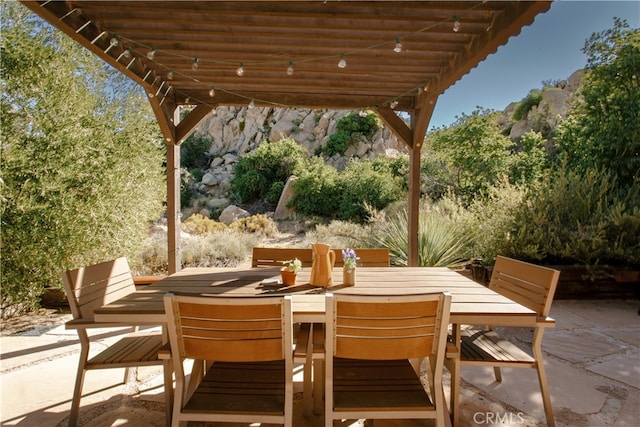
456	24
187	100
151	54
127	52
194	66
114	41
252	104
393	104
343	62
290	69
212	92
398	47
240	70
170	75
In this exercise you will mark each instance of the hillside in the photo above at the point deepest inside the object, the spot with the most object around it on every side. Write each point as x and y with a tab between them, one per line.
236	131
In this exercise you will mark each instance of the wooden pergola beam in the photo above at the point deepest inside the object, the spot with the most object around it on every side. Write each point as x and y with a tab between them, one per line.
269	35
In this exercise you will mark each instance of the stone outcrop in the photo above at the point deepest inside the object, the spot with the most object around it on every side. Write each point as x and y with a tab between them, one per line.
554	107
236	131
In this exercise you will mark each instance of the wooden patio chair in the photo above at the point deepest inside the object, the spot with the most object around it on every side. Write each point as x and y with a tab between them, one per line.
242	353
527	284
88	288
368	257
273	257
310	338
370	343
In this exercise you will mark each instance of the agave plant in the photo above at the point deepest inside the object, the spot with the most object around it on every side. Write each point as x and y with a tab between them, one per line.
440	242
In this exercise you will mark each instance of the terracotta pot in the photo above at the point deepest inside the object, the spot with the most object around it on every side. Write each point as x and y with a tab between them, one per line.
288	277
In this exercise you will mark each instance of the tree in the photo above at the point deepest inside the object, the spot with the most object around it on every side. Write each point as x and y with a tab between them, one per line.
82	160
476	152
603	129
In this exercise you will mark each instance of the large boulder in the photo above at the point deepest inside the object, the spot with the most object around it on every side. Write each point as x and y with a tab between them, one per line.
232	213
282	211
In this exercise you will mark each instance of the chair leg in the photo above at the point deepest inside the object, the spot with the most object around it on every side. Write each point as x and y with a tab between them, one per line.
167	369
307	391
455	391
497	373
77	394
318	386
542	377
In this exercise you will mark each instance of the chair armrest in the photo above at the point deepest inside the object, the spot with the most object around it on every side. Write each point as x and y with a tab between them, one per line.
545	322
165	352
452	352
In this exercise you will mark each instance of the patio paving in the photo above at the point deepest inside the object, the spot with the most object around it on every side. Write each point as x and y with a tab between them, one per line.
592	359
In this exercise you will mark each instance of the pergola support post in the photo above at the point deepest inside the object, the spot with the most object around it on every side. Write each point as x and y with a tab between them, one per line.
173	207
414	206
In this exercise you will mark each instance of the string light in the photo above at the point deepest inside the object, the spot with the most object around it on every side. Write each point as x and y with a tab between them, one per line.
398	47
456	23
343	62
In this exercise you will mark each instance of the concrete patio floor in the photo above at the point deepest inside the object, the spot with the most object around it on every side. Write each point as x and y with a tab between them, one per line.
592	361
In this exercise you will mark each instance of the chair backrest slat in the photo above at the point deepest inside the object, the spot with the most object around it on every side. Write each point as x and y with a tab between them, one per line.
528	284
271	257
368	257
88	288
229	329
387	327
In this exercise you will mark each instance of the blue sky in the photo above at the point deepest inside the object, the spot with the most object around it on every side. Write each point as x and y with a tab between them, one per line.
549	49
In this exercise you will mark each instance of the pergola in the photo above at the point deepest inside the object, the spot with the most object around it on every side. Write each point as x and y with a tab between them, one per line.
387	56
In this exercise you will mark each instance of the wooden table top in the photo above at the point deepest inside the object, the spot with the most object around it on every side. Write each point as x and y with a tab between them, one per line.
472	303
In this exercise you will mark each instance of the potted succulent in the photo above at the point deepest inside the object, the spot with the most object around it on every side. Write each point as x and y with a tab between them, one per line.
290	270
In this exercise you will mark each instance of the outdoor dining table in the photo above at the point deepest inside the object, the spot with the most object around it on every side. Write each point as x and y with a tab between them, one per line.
471	302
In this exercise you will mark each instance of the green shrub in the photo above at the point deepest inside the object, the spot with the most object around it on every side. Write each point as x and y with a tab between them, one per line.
351	128
365	183
316	191
337	143
275	191
194	152
272	162
257	224
199	224
577	218
531	100
494	219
